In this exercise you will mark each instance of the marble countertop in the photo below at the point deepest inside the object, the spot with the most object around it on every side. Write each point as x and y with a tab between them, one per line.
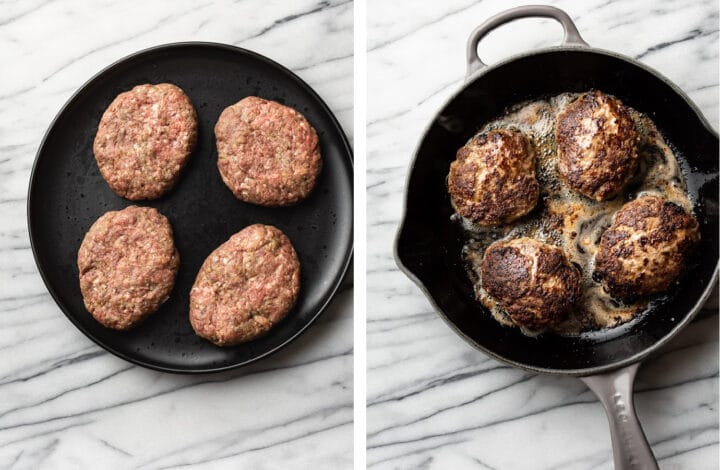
433	401
66	403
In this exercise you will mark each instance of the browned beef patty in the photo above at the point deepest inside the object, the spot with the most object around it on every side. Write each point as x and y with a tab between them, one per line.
531	280
646	248
268	154
245	287
144	139
596	145
127	263
492	181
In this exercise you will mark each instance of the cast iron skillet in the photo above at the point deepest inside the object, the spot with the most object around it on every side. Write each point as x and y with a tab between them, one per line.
67	194
428	245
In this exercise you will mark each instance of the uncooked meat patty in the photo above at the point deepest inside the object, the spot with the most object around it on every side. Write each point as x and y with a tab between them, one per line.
646	248
596	145
531	280
144	139
245	286
268	154
492	181
127	263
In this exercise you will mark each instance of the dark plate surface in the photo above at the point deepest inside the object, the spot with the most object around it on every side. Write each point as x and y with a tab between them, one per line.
67	194
428	246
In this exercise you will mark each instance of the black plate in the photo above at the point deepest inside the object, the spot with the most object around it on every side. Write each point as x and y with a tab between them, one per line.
67	194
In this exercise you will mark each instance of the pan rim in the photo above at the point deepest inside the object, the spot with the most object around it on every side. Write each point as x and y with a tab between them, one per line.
339	275
590	50
576	372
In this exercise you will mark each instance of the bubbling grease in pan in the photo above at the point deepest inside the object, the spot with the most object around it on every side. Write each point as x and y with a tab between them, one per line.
570	220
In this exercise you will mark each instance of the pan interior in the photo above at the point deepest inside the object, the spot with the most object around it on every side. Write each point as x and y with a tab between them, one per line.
429	244
67	194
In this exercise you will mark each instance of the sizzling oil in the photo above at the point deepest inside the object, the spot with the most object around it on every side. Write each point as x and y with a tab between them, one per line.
572	221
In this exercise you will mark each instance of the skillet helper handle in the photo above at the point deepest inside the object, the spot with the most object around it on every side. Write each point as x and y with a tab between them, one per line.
572	36
631	450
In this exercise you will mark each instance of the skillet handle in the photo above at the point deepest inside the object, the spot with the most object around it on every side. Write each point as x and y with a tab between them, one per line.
615	391
572	36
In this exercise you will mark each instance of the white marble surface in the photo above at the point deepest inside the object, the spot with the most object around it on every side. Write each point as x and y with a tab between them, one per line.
66	403
433	401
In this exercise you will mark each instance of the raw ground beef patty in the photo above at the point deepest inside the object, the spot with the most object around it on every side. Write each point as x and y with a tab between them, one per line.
144	139
268	154
245	286
127	263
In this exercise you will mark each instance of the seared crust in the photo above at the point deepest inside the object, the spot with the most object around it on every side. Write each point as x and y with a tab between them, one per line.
127	263
245	287
144	139
492	181
268	154
531	280
646	248
596	145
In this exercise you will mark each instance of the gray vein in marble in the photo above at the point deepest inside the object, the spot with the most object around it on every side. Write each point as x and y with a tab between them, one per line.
376	46
322	7
23	14
693	34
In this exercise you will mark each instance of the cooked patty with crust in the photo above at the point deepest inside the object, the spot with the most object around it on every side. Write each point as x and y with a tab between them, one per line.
646	248
596	145
268	153
245	287
531	280
127	263
144	139
492	181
